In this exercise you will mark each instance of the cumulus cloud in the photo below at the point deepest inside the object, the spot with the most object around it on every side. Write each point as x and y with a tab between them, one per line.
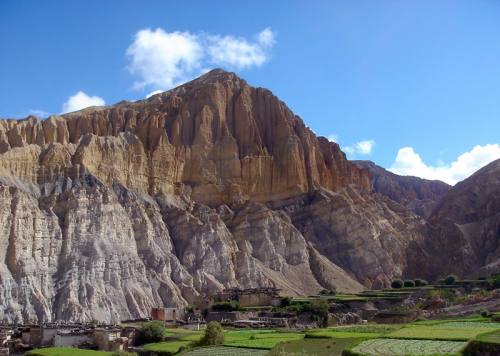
333	138
161	60
238	52
266	37
363	148
39	113
409	162
81	101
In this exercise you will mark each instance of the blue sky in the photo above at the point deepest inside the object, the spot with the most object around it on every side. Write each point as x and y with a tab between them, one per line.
411	85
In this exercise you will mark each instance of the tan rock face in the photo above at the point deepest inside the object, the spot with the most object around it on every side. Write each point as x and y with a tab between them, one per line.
465	229
226	140
107	212
419	195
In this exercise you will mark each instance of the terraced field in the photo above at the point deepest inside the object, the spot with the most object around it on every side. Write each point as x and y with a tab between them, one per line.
253	339
166	346
65	351
397	347
225	351
455	330
312	347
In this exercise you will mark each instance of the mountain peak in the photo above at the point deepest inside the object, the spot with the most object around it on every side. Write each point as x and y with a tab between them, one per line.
216	75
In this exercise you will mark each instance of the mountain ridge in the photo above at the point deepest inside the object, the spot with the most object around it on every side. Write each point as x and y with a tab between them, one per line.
110	211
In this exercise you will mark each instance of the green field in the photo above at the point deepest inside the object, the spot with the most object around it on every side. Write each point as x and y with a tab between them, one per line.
66	351
397	347
333	334
455	330
259	340
312	347
368	328
224	351
166	346
491	337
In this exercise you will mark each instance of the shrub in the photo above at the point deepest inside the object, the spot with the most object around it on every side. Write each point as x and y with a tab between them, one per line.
397	284
420	282
153	331
319	311
328	292
409	283
493	282
450	280
214	334
226	306
285	301
484	312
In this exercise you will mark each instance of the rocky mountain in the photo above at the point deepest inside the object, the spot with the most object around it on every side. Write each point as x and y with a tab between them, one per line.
109	211
464	233
419	195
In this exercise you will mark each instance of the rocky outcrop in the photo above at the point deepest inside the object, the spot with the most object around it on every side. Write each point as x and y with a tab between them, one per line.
109	211
227	141
362	233
419	195
465	229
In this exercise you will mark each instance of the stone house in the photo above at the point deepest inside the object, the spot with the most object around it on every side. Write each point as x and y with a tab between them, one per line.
252	297
167	314
73	338
110	339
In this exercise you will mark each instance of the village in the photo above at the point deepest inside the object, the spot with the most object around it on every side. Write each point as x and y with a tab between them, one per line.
258	308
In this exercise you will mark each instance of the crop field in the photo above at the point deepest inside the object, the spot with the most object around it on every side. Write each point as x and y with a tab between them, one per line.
312	347
334	334
368	328
396	347
257	340
224	351
491	337
66	351
474	318
455	330
166	346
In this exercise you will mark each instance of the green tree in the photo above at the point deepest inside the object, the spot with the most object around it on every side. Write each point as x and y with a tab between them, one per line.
420	282
226	306
285	301
409	283
319	311
332	291
153	331
450	280
214	334
397	284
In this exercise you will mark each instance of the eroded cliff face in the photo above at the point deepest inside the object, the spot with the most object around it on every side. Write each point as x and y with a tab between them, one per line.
107	212
417	194
227	141
464	233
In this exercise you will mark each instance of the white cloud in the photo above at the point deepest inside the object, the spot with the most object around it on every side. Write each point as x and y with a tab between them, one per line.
39	113
360	148
408	162
266	37
81	101
333	138
154	92
161	60
238	52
